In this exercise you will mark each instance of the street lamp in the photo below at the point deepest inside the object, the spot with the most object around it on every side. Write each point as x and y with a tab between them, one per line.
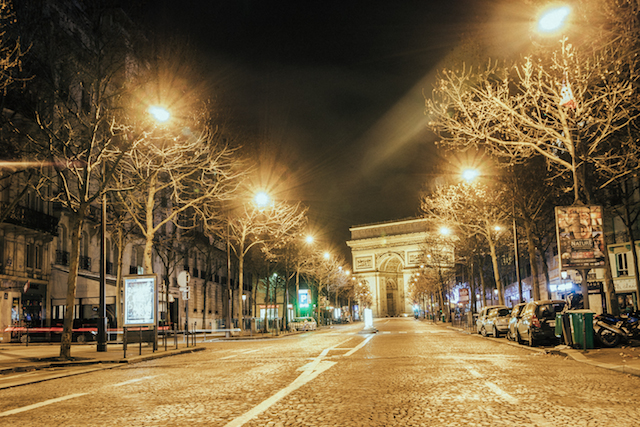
553	19
160	114
262	199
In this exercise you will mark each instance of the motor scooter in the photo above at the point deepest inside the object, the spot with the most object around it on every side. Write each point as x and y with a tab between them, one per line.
611	329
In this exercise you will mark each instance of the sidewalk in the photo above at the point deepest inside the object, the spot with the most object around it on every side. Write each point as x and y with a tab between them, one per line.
21	358
624	359
18	357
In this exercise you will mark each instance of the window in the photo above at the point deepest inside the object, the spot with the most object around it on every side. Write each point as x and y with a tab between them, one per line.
30	255
38	257
621	264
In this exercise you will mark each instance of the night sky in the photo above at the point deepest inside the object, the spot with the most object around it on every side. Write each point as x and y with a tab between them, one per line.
335	89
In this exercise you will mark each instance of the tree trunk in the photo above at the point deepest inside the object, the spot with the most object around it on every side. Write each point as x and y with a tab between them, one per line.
496	272
119	310
609	288
533	261
149	232
266	303
72	280
240	288
482	284
545	270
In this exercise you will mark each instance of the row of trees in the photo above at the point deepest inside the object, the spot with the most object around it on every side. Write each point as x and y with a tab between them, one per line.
79	127
558	126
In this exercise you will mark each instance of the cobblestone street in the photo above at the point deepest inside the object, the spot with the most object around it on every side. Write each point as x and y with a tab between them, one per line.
410	373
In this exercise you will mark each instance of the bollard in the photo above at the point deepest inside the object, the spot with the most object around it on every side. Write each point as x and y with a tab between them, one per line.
194	334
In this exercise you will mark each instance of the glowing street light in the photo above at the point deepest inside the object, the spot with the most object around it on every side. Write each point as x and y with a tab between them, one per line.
160	114
470	174
327	255
553	19
445	231
262	199
309	239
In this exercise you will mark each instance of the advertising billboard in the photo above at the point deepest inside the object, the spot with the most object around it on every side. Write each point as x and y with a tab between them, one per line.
580	237
140	299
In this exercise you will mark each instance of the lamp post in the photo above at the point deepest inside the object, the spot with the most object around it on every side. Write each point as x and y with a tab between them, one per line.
160	115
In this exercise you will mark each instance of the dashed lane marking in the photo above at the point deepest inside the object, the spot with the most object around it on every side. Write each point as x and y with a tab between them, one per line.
40	404
136	380
63	398
494	387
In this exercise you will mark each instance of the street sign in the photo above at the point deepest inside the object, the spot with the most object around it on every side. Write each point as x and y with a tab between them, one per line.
186	295
464	294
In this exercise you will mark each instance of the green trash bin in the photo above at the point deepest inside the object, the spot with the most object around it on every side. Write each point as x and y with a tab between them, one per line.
582	328
558	330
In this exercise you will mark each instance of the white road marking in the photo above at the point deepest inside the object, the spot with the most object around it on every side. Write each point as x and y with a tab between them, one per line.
494	387
304	378
386	332
312	370
402	332
136	380
474	373
359	346
41	404
243	352
500	392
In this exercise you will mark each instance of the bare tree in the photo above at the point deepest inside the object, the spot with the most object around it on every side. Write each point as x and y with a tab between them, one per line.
472	209
20	163
325	270
74	105
252	225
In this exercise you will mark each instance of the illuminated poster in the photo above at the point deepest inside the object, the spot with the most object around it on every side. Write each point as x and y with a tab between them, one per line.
139	300
580	237
303	298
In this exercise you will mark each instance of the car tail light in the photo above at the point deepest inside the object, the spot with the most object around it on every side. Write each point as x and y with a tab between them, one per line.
534	321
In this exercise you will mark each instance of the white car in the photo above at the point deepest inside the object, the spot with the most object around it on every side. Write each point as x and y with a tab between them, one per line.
303	324
484	324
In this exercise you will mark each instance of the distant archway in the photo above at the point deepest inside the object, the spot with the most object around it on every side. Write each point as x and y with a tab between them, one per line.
392	284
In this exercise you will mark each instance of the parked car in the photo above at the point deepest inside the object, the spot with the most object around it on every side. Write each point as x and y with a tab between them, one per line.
497	322
538	321
303	324
516	312
482	323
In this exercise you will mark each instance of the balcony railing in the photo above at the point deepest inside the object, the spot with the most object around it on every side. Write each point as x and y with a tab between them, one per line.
62	258
85	263
29	218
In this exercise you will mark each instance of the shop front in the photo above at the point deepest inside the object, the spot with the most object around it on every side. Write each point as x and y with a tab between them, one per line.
627	294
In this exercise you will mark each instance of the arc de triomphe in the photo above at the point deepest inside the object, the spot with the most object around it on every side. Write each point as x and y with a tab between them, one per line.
384	257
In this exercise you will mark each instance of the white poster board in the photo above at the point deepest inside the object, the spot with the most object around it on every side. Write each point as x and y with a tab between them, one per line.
140	300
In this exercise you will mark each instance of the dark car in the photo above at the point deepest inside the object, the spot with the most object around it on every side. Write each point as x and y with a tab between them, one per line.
516	311
538	321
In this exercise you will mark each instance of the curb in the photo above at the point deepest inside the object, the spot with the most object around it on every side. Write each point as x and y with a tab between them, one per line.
109	363
571	353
